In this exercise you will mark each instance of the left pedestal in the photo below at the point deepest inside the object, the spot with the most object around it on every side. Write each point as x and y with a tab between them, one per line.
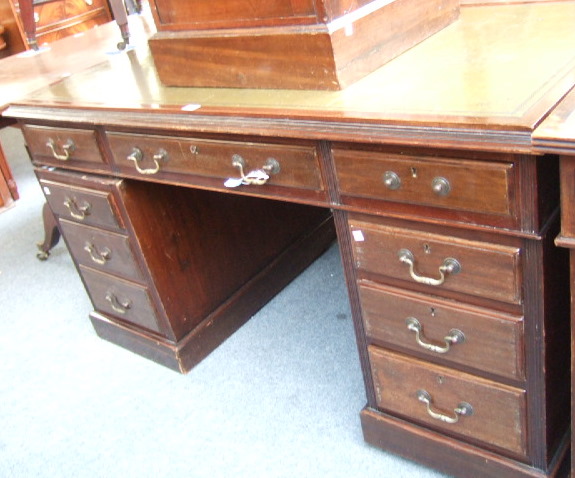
173	271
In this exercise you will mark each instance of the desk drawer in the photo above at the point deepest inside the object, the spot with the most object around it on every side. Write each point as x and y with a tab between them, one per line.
440	262
64	147
103	250
459	184
88	206
295	166
124	300
495	415
458	333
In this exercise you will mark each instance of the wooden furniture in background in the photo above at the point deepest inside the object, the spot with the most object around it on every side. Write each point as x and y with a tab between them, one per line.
557	135
2	39
445	215
299	44
56	19
13	31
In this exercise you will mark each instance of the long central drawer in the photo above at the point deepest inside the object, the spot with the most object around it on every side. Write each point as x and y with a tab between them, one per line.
287	165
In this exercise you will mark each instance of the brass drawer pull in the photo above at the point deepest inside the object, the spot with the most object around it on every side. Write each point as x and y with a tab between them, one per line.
455	336
99	257
391	180
449	266
256	177
137	156
441	186
67	148
119	306
78	211
463	409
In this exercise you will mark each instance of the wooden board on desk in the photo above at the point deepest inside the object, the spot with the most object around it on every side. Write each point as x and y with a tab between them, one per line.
309	44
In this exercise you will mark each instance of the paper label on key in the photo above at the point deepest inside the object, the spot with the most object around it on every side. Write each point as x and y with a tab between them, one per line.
358	236
233	182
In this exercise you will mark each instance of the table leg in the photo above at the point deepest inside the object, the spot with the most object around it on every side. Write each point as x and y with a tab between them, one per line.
121	17
51	233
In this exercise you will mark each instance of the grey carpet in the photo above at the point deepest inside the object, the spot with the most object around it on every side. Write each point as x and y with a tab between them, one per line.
280	398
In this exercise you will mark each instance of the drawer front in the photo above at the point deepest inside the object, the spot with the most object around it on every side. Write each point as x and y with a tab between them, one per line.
64	146
80	7
88	206
54	12
49	13
441	262
294	166
124	300
467	185
103	250
464	335
452	402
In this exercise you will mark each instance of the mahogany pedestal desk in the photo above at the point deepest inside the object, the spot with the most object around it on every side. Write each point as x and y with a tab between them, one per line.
185	209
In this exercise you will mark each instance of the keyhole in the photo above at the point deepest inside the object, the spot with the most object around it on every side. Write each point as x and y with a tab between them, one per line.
426	248
440	379
194	149
432	311
413	172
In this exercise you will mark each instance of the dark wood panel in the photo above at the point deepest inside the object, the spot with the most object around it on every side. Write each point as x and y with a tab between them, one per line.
124	300
78	147
201	247
100	249
87	199
203	14
227	318
315	56
457	403
292	166
479	268
454	183
449	455
486	341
